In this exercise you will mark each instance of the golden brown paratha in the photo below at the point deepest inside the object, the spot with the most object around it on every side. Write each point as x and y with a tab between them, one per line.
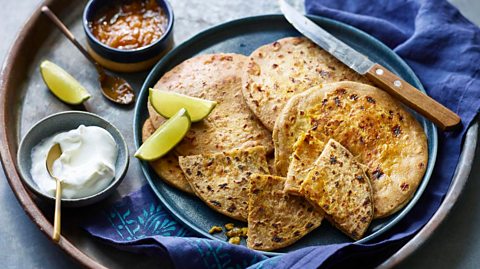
370	124
231	124
305	151
221	179
276	219
277	71
167	167
271	164
338	185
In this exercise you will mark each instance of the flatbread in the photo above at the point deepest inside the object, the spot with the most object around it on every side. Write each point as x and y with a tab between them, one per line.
271	164
221	179
305	151
277	71
276	219
338	185
167	167
231	124
372	125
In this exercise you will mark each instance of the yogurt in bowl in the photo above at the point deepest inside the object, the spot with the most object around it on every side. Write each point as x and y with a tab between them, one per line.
93	163
86	166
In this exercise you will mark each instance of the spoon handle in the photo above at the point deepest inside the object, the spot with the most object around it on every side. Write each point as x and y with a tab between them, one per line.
67	33
57	218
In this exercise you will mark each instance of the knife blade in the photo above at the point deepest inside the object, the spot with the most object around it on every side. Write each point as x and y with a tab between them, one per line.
388	81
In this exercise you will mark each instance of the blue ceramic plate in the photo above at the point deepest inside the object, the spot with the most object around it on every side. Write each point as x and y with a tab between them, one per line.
243	36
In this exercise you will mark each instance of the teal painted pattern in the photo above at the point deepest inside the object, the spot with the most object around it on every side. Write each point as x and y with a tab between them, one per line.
151	220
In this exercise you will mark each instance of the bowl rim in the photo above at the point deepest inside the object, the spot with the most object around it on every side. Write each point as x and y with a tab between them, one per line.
112	185
170	16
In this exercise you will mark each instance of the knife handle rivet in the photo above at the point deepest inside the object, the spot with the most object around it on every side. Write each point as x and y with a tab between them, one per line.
379	71
397	83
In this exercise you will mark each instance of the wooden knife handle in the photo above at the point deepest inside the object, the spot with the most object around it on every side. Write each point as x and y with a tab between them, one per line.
414	98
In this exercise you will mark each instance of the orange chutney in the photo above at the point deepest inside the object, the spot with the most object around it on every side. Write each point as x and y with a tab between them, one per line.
132	25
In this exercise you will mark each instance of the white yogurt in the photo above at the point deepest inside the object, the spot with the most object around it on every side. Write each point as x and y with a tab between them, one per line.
86	166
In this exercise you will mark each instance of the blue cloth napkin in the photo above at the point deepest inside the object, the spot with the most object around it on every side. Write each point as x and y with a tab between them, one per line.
441	46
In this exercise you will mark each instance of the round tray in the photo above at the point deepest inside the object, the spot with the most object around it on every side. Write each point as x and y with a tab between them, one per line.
22	87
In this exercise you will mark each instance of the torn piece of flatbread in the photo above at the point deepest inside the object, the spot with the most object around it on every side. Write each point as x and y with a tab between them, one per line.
167	167
338	185
305	151
221	179
276	219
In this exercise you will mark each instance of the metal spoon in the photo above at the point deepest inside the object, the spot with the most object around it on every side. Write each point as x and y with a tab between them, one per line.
114	88
53	154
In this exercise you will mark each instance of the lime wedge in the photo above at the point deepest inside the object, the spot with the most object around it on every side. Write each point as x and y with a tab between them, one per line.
165	138
62	84
168	103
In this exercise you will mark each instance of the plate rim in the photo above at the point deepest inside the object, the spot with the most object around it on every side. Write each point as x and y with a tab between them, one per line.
219	27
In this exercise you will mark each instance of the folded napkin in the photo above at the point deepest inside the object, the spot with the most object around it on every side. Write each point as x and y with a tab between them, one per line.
439	44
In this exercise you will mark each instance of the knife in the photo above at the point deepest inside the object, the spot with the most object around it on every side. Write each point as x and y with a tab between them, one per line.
388	81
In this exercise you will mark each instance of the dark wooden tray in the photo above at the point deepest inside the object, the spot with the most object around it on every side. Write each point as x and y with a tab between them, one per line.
25	100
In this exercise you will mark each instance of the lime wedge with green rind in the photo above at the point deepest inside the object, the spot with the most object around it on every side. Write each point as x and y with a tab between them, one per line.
168	103
165	138
62	84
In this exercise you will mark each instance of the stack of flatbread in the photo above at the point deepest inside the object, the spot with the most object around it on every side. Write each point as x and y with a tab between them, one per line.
343	149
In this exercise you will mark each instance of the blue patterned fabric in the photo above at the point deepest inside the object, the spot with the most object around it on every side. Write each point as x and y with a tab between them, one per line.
138	223
441	46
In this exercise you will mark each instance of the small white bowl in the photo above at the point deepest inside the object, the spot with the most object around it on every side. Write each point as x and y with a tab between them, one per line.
61	122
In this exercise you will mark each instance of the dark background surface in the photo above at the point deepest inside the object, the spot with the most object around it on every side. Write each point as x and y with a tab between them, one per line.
456	244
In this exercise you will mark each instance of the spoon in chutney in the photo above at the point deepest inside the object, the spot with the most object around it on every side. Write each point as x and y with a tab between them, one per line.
114	88
53	154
